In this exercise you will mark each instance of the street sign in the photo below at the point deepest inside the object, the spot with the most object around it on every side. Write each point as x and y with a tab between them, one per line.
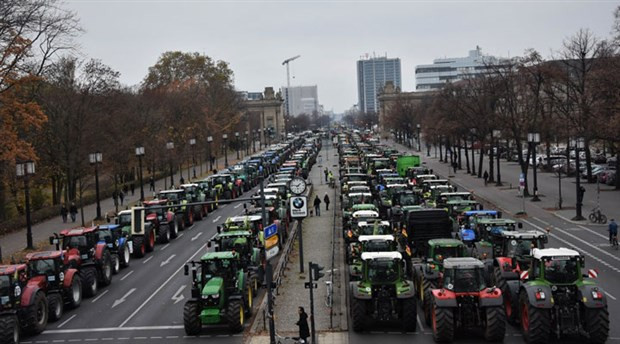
299	207
271	241
272	252
270	230
309	285
522	181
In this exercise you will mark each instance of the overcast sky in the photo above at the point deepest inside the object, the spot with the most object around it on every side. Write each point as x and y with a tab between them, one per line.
254	37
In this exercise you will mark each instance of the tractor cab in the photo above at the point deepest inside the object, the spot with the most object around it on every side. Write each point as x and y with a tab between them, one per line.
463	275
513	251
441	249
458	206
48	264
381	268
79	243
490	230
13	280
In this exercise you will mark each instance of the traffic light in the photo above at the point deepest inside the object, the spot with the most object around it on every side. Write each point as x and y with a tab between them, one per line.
316	271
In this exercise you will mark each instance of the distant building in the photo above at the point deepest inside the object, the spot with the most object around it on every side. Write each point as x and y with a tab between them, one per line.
435	76
245	95
372	74
301	99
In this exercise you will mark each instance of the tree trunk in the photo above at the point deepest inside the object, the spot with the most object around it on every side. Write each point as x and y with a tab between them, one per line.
440	151
2	193
467	157
588	162
460	161
481	159
524	165
491	178
617	169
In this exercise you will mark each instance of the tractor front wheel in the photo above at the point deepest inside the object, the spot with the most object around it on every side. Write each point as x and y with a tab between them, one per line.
409	314
150	244
56	306
89	280
235	315
9	329
496	324
75	293
249	300
163	234
358	314
535	322
174	231
427	306
35	315
116	264
191	318
597	324
125	256
139	246
106	268
443	324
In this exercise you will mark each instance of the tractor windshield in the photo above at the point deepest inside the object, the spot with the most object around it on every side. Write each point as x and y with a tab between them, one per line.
383	270
464	280
124	220
407	199
378	246
42	267
171	196
215	267
561	271
237	244
443	252
519	248
219	180
5	289
77	241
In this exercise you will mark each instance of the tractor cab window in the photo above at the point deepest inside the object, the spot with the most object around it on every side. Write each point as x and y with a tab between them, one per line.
383	270
236	244
520	248
124	220
446	252
79	242
561	271
407	199
105	235
172	197
214	268
464	280
378	246
5	289
42	267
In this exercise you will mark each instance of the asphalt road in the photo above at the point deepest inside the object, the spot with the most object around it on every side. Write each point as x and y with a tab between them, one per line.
145	300
590	240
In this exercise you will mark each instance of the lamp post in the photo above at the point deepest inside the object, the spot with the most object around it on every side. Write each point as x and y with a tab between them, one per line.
192	143
25	170
247	143
418	128
496	135
170	147
140	154
237	143
209	142
579	144
225	138
534	139
95	159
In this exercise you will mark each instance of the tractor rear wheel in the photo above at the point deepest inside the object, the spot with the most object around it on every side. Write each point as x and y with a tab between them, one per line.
9	329
535	322
125	256
75	293
496	324
106	268
191	318
443	324
35	315
358	314
409	314
89	281
150	243
180	222
163	234
427	306
235	315
139	246
116	264
597	324
199	215
249	300
56	306
174	231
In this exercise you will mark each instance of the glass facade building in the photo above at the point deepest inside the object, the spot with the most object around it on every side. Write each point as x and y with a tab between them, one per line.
372	74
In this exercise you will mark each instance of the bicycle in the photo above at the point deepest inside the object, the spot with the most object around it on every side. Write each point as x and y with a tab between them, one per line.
596	216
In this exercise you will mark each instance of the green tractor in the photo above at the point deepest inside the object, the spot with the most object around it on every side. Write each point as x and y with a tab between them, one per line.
383	293
371	227
367	243
250	256
221	293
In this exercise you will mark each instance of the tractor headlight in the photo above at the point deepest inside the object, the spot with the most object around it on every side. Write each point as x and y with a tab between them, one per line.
540	295
597	295
449	286
215	296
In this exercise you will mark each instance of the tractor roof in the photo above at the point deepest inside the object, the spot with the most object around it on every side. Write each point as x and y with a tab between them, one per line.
188	185
78	231
365	206
460	193
11	269
427	176
499	222
554	252
436	181
155	202
366	223
109	227
43	255
356	194
231	234
124	212
171	191
462	263
220	255
531	234
250	218
445	242
385	237
390	186
366	213
357	182
480	212
381	255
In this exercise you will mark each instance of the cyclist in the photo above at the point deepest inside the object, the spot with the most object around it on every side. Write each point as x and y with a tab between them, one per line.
613	230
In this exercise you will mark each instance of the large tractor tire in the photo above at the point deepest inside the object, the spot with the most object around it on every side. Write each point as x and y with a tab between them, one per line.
496	324
106	268
116	264
180	222
358	314
443	324
35	316
125	256
74	294
151	238
249	300
198	216
409	314
9	329
189	218
427	307
191	318
163	234
235	314
89	281
535	322
597	324
139	246
498	280
56	306
174	230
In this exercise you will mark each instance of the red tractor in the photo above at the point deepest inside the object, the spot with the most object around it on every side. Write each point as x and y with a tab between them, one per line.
23	304
60	281
164	221
87	254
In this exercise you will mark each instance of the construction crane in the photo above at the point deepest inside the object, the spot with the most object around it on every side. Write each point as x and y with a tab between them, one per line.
288	75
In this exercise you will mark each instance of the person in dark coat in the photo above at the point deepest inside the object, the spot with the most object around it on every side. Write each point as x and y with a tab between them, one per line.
73	211
152	184
304	330
486	177
64	212
317	205
326	200
121	196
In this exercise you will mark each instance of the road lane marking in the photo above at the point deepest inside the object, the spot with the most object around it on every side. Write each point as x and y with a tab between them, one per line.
610	296
180	235
66	321
160	288
197	235
165	247
594	232
216	219
178	296
147	260
587	243
112	329
165	262
417	317
238	205
124	298
126	275
99	296
223	206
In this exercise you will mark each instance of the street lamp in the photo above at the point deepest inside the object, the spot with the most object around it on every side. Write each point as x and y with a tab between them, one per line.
579	144
192	143
140	154
247	143
225	138
209	142
534	139
96	159
237	139
170	147
418	128
496	135
25	170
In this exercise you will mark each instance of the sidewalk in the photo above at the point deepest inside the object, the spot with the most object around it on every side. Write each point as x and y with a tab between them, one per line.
16	241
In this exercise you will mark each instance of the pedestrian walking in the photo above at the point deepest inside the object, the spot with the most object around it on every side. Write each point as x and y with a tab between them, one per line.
331	179
151	184
133	188
613	230
326	200
317	205
121	196
304	330
126	190
73	211
486	177
454	166
326	172
64	212
182	180
115	198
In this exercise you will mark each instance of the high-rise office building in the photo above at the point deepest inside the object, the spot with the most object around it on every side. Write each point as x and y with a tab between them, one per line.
372	74
301	99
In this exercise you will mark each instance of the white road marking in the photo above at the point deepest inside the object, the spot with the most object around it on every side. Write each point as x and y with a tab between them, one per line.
180	235
160	288
99	296
66	321
610	296
216	219
238	205
124	298
594	232
126	275
178	296
165	262
196	236
165	247
147	260
223	205
417	317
